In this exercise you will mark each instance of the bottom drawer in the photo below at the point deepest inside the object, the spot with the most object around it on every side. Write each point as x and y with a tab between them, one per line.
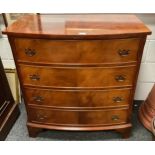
77	117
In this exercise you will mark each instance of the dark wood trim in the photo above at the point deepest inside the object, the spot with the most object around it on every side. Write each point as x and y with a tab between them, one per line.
5	19
5	84
137	103
9	121
9	110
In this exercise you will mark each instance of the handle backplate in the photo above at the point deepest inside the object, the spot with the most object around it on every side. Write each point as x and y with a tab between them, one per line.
30	52
120	78
117	99
34	77
115	118
123	52
41	117
38	99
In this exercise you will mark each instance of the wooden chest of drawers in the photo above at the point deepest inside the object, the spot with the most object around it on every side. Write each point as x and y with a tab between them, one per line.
78	72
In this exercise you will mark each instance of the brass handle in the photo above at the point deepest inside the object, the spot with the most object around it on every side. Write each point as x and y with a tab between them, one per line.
120	78
117	99
115	118
41	117
38	99
34	77
123	52
30	52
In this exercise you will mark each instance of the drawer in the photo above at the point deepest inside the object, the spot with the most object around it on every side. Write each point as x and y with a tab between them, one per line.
78	98
76	51
83	117
78	77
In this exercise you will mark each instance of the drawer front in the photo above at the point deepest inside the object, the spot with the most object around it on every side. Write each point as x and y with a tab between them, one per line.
78	98
70	117
77	76
76	51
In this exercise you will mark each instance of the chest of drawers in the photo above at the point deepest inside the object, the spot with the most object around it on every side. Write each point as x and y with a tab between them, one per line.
78	72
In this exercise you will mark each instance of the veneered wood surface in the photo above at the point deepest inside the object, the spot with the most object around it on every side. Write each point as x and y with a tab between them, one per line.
76	51
77	98
83	25
76	64
83	117
77	77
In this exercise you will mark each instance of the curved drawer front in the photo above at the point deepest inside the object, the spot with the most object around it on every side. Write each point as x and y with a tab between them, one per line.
77	76
78	98
68	117
76	51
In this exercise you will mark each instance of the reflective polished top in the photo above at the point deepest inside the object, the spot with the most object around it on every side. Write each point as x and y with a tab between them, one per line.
74	25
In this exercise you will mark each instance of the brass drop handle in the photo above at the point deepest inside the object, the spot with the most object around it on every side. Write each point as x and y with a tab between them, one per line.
34	77
38	99
120	78
30	52
123	52
41	117
117	99
115	118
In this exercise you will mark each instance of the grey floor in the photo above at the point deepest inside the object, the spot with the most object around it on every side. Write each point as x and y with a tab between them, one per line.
19	133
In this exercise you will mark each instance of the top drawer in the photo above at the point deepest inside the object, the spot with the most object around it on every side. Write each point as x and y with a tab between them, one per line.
76	51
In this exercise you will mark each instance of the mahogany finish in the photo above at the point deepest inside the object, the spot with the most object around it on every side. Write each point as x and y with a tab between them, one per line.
77	77
78	72
78	117
78	26
78	98
77	51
